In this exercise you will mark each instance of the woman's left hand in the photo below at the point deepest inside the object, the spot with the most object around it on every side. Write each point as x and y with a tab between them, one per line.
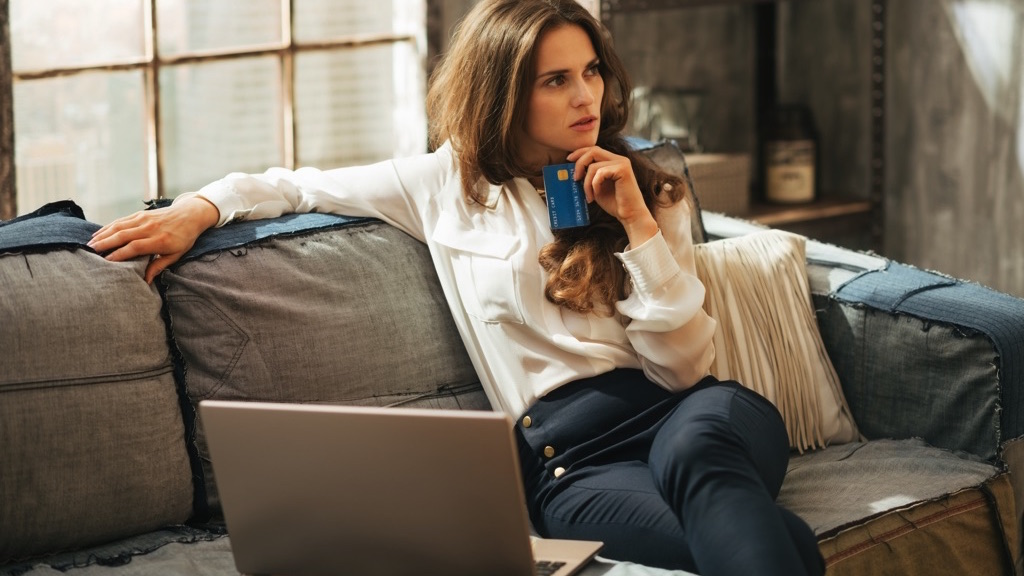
608	179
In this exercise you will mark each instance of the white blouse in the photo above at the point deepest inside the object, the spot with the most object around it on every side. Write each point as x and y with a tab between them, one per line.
521	345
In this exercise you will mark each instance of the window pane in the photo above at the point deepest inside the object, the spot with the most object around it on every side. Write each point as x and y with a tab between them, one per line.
219	117
350	110
82	137
198	25
72	33
322	20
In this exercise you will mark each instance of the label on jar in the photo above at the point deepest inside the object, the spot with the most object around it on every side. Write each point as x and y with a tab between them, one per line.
789	171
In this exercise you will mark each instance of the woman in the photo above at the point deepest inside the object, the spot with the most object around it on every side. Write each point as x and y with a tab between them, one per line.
593	338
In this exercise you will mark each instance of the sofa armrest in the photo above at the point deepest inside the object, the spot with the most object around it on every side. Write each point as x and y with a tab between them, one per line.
919	354
922	354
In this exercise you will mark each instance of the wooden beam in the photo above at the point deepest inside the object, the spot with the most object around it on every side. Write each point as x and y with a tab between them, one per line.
8	207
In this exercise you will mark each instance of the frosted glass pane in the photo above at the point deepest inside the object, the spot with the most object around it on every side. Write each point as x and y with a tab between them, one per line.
73	33
199	25
219	117
358	106
82	137
324	20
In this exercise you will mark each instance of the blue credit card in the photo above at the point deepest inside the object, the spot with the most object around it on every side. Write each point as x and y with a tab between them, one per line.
567	204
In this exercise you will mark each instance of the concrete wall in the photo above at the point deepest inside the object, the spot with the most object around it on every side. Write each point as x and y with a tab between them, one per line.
955	143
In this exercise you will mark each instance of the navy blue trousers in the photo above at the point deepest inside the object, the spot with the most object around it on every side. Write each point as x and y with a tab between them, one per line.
673	480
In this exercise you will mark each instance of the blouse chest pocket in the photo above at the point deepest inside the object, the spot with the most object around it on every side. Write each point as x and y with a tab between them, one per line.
484	274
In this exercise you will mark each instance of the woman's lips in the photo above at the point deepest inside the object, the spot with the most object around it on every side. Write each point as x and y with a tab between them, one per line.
585	124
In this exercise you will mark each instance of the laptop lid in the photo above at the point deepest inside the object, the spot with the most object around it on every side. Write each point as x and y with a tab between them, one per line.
316	489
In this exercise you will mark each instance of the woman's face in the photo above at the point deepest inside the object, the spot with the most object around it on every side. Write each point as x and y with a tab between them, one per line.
564	111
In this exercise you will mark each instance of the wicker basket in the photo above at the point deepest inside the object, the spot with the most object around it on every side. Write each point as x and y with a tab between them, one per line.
721	181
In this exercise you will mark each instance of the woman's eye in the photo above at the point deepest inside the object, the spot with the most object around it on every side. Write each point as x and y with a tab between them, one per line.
556	80
594	70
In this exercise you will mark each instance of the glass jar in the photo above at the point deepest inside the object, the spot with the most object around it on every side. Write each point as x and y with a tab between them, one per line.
790	156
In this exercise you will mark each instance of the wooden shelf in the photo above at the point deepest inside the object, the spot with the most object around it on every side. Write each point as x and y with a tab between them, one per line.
786	214
843	222
853	223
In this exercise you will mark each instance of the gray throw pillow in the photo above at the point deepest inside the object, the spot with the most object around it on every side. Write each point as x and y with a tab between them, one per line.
92	442
327	310
667	156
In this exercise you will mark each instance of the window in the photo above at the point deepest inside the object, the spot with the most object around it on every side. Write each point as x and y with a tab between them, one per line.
121	101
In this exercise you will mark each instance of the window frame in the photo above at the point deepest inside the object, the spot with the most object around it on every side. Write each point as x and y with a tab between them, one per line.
7	174
151	63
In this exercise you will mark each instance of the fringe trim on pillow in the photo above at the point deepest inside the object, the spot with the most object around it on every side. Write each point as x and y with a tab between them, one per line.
758	292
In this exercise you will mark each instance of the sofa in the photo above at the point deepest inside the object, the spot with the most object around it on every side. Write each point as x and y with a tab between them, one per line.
103	458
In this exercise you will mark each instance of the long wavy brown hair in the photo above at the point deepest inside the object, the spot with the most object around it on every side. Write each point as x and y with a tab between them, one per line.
478	100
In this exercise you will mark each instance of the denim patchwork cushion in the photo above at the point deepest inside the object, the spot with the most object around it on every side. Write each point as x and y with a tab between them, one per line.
315	308
917	351
92	443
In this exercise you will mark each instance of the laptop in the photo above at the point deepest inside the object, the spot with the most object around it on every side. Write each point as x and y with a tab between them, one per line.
311	490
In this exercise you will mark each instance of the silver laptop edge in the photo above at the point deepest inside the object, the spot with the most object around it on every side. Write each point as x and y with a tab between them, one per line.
326	489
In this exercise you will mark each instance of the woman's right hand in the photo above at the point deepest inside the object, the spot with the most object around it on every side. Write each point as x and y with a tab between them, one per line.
164	234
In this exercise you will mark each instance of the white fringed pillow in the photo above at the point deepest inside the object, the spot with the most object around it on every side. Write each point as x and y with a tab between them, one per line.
767	337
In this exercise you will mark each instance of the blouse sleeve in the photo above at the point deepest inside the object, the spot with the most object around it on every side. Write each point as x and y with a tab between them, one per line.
394	191
667	325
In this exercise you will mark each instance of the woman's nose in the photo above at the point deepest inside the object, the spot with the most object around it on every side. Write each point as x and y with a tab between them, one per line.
583	95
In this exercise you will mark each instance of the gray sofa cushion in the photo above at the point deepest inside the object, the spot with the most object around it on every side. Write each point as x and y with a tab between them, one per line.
878	508
903	507
92	442
324	310
842	484
179	550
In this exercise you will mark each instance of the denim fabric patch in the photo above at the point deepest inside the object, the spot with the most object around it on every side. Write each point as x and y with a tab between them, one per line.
239	234
933	298
889	288
55	225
